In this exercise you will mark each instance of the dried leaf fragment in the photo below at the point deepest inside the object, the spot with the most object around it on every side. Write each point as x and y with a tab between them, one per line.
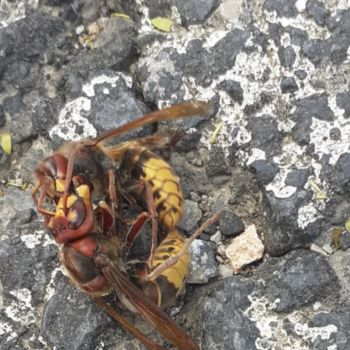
119	14
216	132
162	23
347	225
6	143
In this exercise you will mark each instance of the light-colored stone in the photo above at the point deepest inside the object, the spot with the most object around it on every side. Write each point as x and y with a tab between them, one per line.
225	271
216	237
245	249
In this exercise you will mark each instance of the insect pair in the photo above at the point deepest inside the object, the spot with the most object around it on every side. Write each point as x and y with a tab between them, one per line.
95	239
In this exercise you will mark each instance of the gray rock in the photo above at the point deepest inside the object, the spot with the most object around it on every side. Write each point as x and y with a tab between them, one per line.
2	117
90	11
314	106
298	279
264	170
188	141
187	172
287	56
342	172
300	74
318	11
284	8
217	163
340	212
192	215
345	240
116	55
161	76
203	266
297	177
195	11
335	134
339	318
205	65
340	264
230	224
44	115
315	50
116	108
222	303
343	101
284	233
234	89
288	84
265	134
297	35
67	307
159	8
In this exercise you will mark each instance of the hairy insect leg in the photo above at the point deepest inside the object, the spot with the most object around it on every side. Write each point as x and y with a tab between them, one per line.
126	325
174	259
39	204
144	188
113	198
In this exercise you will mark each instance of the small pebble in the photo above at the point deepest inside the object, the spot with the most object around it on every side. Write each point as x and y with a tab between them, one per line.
225	271
79	30
328	249
245	249
345	240
195	197
221	250
192	215
230	224
316	248
216	237
219	259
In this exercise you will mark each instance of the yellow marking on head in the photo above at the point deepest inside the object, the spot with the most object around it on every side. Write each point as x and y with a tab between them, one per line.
72	215
83	191
60	183
70	201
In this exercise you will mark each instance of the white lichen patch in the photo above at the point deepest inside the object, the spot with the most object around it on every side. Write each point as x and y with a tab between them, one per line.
309	213
39	237
21	309
31	240
70	119
273	336
7	329
51	286
278	187
12	11
196	250
89	88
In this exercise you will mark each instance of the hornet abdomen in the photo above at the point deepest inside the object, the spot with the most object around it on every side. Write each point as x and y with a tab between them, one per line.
145	165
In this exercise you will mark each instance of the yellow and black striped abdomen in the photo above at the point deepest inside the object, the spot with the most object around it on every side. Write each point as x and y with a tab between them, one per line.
172	280
167	194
